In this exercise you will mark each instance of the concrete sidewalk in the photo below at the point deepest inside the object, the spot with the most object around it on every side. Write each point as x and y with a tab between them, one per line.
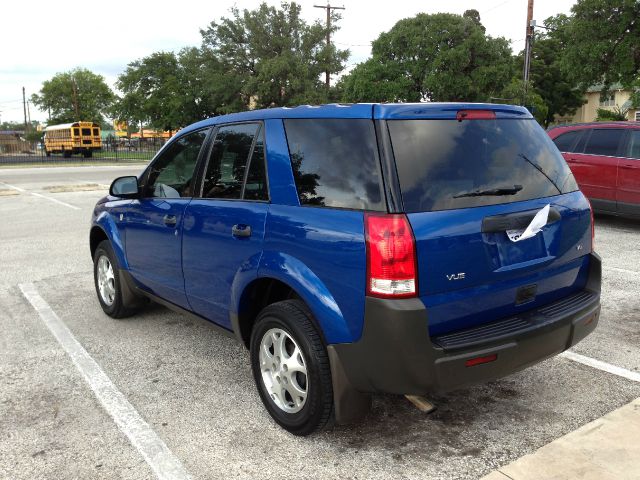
606	449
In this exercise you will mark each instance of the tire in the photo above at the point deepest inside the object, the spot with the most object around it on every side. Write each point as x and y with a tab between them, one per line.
109	287
66	153
48	153
291	321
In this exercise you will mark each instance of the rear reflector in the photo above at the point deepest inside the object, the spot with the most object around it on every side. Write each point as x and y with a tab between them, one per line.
480	360
391	256
475	115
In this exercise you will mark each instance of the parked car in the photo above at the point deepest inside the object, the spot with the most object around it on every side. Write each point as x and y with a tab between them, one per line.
605	160
355	249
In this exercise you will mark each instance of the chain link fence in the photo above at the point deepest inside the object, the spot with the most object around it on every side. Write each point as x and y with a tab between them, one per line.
15	150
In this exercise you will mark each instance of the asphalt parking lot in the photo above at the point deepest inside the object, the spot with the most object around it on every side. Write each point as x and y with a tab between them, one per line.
194	387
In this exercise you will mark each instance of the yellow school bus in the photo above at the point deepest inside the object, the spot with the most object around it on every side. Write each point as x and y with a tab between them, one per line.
72	138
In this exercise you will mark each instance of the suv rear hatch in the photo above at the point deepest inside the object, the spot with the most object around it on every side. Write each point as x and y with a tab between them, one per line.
466	176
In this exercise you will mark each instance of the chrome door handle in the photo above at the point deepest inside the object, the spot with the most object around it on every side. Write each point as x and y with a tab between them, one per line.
241	231
170	220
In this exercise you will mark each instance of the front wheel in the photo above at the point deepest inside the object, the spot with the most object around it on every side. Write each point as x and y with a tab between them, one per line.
108	283
291	368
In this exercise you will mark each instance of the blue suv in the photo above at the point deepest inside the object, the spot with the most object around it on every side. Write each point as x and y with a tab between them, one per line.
355	249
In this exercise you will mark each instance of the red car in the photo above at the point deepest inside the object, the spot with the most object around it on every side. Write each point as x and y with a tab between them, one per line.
605	160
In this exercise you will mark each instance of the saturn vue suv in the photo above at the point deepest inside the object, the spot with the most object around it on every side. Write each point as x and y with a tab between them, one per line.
356	249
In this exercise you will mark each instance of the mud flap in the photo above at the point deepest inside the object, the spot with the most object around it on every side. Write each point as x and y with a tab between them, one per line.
350	405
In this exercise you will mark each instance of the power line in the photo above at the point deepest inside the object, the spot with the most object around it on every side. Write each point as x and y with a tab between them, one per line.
353	44
494	7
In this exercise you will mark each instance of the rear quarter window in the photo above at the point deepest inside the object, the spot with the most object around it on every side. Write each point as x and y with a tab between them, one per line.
605	141
566	141
335	163
447	164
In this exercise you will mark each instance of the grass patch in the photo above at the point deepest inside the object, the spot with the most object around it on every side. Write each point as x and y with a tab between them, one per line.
79	163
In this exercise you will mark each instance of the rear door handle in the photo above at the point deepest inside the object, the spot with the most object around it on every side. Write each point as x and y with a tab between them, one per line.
241	231
170	220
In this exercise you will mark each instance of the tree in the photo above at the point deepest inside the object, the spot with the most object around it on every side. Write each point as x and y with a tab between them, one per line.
605	42
514	93
439	57
168	91
558	93
150	88
272	56
74	96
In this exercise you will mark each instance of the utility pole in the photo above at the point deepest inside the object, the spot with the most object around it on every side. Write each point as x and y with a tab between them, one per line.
528	47
328	8
74	88
24	107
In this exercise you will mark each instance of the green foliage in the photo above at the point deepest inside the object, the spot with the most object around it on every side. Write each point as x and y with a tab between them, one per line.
150	88
440	57
34	136
616	114
75	95
547	76
12	126
514	94
168	91
605	42
272	57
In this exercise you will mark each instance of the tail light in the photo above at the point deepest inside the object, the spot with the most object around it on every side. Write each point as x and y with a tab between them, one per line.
391	256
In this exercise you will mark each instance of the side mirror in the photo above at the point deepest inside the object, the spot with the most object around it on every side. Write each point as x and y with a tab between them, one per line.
124	187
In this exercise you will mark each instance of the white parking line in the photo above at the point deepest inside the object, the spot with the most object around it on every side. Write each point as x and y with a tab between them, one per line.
605	367
156	453
40	196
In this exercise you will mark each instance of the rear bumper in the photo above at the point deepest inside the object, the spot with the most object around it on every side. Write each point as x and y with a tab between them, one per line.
396	354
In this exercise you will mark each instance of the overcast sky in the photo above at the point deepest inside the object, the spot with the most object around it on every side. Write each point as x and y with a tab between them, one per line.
49	37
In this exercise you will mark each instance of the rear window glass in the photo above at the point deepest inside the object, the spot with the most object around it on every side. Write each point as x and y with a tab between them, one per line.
335	163
86	131
605	141
566	141
446	164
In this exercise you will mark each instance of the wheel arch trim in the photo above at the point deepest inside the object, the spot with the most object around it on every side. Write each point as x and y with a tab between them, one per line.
306	284
105	222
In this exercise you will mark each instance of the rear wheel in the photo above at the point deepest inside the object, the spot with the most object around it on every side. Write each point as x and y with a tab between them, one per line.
66	153
108	283
291	368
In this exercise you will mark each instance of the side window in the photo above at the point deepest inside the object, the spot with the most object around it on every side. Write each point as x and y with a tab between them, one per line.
255	187
172	174
634	144
335	163
226	169
76	131
604	141
566	141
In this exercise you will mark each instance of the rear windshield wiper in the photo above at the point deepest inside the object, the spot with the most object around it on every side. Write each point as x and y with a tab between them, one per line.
491	192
